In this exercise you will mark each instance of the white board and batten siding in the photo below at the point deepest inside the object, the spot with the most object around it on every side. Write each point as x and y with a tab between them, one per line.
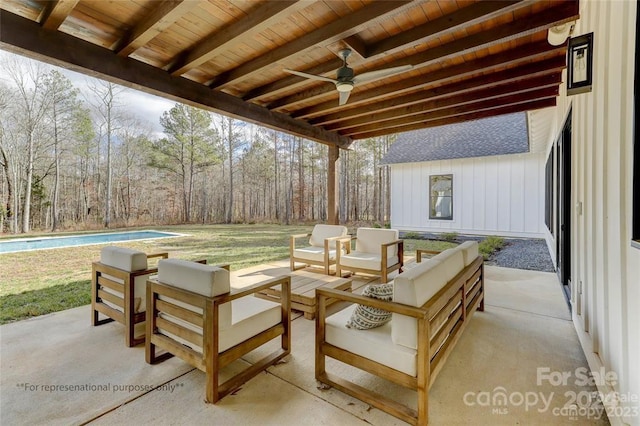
498	195
605	267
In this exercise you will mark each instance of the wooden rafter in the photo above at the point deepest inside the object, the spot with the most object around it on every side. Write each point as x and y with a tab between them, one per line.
56	12
485	39
474	115
470	15
257	20
332	32
164	15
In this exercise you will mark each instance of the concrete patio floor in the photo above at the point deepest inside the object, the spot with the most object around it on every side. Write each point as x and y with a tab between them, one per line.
501	372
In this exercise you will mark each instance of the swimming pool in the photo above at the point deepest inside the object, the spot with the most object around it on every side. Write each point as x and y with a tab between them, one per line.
40	243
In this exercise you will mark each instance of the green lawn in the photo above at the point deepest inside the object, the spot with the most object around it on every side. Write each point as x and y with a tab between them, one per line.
39	282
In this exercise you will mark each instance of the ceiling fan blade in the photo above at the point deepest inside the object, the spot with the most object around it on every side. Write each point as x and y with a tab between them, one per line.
344	96
374	75
310	76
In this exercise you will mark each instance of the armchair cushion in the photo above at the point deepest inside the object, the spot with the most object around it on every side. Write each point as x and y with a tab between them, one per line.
313	253
321	232
369	240
374	344
365	260
415	287
128	260
367	317
198	278
123	258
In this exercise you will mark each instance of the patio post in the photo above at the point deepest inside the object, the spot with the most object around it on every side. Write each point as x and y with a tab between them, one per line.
332	185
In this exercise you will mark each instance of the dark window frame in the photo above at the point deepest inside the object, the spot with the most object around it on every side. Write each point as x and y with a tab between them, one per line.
432	215
635	188
549	216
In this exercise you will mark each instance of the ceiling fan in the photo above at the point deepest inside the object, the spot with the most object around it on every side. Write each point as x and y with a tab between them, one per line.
347	80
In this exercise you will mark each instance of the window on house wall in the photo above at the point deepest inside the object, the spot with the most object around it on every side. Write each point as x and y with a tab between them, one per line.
548	193
636	144
441	197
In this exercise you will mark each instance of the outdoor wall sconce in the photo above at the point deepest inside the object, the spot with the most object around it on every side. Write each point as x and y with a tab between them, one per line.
558	35
580	64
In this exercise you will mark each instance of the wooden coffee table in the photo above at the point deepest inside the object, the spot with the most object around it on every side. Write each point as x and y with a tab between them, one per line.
303	290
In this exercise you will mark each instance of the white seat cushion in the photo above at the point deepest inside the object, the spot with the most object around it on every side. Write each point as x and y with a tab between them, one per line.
312	253
321	232
415	287
453	259
364	260
469	251
374	344
250	316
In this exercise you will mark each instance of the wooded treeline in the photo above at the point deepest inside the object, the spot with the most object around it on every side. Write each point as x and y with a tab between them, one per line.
72	160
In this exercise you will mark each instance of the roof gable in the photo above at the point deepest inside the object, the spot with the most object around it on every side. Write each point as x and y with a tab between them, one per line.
501	135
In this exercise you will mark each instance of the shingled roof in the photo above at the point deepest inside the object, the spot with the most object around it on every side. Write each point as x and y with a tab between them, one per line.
504	134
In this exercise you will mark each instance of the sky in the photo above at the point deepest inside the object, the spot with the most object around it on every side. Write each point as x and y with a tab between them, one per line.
147	107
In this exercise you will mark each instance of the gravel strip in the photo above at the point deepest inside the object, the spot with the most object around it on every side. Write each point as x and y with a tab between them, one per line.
531	254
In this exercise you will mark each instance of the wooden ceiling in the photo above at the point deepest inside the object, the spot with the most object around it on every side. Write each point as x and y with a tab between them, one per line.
471	59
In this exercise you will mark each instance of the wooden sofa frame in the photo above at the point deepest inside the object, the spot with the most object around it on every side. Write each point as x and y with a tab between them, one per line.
211	360
344	243
441	321
127	315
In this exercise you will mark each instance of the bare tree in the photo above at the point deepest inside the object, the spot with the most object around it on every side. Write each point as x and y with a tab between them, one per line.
32	102
106	104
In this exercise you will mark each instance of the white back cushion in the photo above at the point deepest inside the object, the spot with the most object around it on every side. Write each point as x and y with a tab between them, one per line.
321	232
453	260
123	258
369	240
415	287
469	251
198	278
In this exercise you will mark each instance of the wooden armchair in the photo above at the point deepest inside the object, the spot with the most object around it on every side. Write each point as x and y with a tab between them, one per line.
377	252
321	248
194	315
118	286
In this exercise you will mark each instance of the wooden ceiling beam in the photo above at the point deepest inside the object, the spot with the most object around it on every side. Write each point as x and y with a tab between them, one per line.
381	120
56	12
257	20
475	115
518	55
28	38
482	105
485	39
360	114
332	32
164	15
